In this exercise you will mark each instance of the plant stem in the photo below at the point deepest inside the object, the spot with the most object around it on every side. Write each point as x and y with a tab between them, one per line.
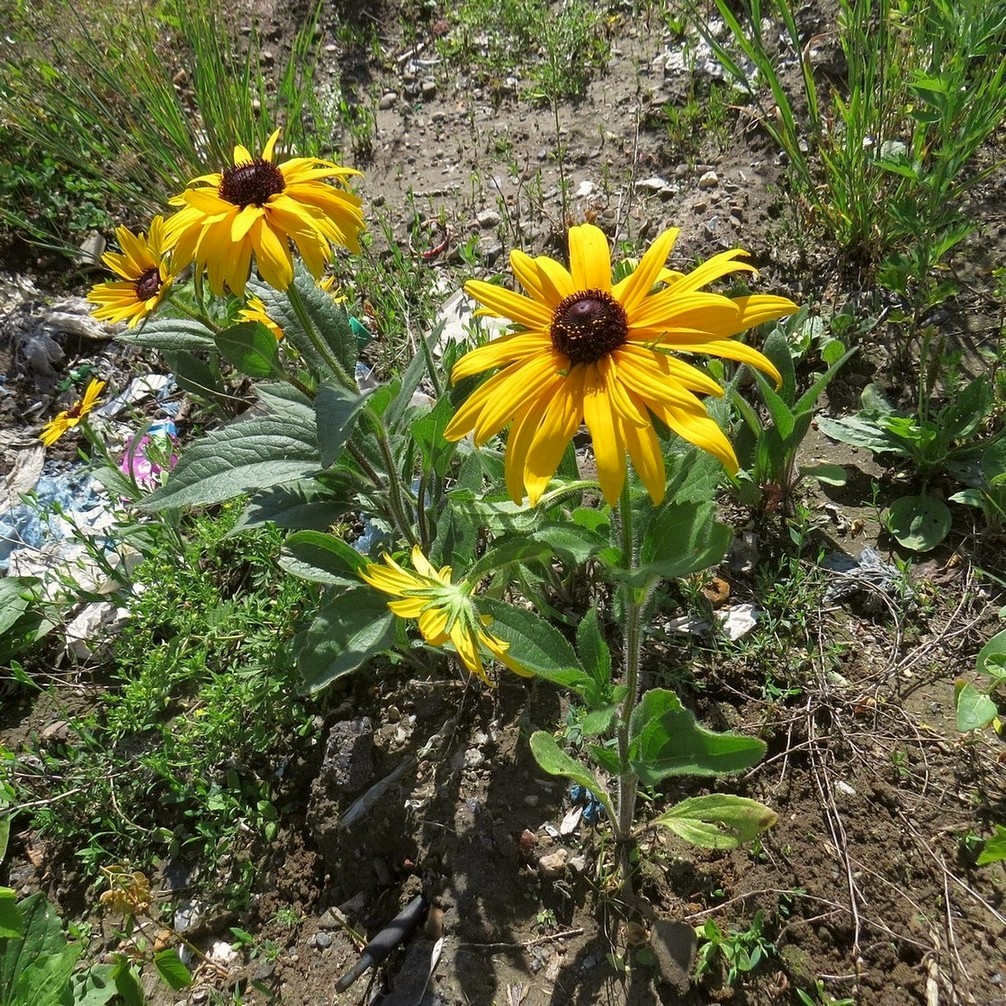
321	347
628	781
396	497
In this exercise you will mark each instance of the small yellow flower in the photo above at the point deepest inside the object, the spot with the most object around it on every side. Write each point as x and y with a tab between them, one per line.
255	309
258	206
67	420
589	351
145	276
444	610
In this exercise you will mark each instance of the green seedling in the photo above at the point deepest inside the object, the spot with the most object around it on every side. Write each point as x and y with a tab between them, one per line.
821	997
740	951
976	708
951	442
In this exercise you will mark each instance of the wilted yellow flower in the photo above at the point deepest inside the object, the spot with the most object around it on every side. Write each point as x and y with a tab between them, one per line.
589	351
70	418
127	894
145	277
444	610
258	206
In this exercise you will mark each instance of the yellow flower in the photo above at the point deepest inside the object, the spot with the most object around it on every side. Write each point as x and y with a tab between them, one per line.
587	351
257	206
255	309
144	270
444	610
67	420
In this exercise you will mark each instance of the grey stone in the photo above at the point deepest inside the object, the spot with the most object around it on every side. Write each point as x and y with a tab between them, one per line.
388	100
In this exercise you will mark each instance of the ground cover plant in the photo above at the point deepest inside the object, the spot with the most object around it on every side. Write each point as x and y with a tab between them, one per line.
520	555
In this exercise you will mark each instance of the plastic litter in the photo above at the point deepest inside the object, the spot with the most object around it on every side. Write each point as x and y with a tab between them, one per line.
868	570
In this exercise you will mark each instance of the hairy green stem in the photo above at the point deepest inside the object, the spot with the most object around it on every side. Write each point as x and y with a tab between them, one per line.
321	347
628	781
396	495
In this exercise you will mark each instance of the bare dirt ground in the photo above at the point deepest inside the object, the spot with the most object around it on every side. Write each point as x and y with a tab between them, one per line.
865	883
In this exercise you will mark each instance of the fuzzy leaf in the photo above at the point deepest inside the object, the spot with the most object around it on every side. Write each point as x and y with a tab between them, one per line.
247	455
349	630
719	820
251	347
664	740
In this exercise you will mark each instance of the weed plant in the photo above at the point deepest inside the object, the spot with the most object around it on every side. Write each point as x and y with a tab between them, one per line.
185	755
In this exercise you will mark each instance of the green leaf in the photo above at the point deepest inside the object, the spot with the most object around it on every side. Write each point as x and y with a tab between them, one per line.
195	376
664	740
336	411
323	558
570	541
990	658
593	650
11	921
994	850
95	986
861	431
417	369
35	966
718	821
16	593
606	758
682	538
171	969
329	322
348	631
127	982
508	550
598	721
975	710
170	334
553	760
538	647
247	455
250	347
831	475
918	522
295	505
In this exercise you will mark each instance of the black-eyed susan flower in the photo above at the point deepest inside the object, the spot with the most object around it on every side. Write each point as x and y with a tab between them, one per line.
71	417
444	610
589	351
145	276
256	206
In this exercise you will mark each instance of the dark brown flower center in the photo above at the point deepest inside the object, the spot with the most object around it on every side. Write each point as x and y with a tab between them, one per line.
251	183
148	284
588	325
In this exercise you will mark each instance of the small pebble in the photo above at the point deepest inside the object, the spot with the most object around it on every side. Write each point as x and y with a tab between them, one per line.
709	180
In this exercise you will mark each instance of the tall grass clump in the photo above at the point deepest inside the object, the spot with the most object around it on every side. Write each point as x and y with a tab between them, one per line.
883	156
128	100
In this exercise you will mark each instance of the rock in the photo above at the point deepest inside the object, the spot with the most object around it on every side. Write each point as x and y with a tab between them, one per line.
844	788
488	219
348	763
322	940
332	918
553	864
429	89
655	184
388	100
709	180
673	945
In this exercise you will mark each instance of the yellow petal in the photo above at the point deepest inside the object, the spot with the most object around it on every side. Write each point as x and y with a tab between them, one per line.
270	146
605	435
647	458
508	304
630	291
589	258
